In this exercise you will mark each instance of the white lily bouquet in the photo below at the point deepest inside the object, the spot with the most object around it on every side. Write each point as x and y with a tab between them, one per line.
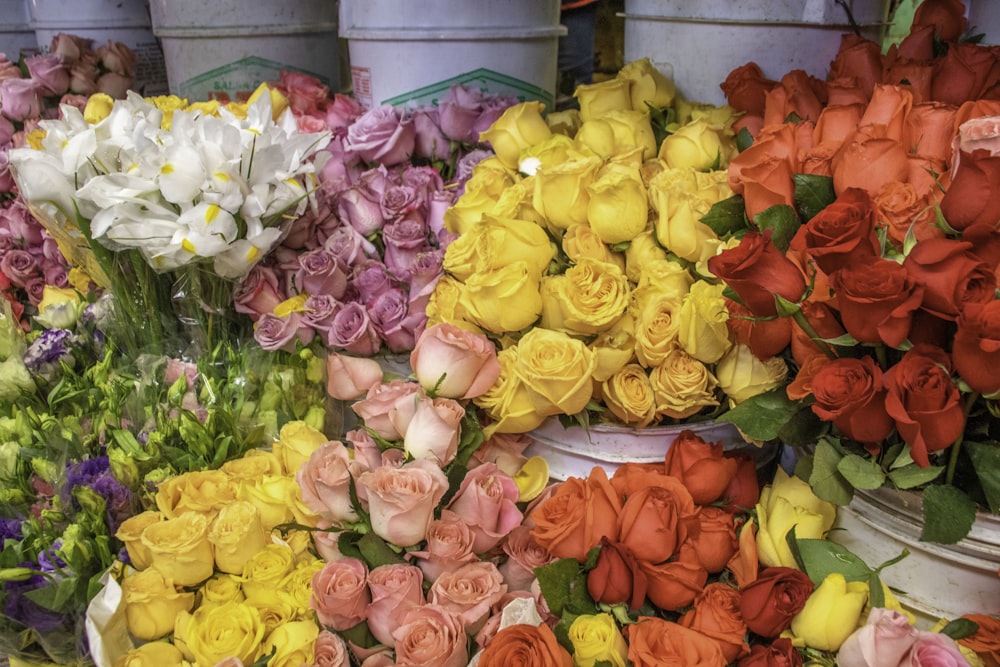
169	204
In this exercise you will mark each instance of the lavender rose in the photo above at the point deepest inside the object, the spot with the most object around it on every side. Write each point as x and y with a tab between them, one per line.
50	72
382	134
431	143
353	331
459	110
389	313
280	333
404	240
321	272
22	98
20	266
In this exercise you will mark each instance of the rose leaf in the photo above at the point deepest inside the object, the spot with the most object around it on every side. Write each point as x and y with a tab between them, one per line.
862	473
948	514
826	480
812	194
986	462
823	557
783	221
762	417
912	475
727	216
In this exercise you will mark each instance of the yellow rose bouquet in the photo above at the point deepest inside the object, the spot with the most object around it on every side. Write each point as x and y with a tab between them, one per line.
581	251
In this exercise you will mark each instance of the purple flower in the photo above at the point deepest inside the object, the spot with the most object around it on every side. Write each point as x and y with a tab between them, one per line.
399	200
10	529
26	611
321	271
118	499
48	349
353	331
280	333
20	266
370	279
388	313
48	560
404	240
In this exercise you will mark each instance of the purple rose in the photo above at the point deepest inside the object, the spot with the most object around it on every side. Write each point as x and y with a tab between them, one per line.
399	200
304	232
6	177
430	143
51	251
281	333
55	273
20	99
320	309
493	108
19	266
427	271
19	222
343	167
35	287
463	169
370	278
321	272
404	240
348	245
29	613
459	109
382	135
353	331
342	111
359	211
440	202
389	313
425	180
50	72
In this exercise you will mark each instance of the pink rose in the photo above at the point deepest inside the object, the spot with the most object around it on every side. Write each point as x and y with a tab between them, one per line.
321	272
360	210
327	543
448	546
306	94
401	501
434	430
348	245
389	313
881	642
340	593
366	451
933	649
118	58
383	405
281	333
49	72
342	111
454	362
315	123
331	651
487	501
382	135
524	554
470	591
459	111
342	168
258	292
506	450
325	480
7	131
431	635
395	590
20	98
352	330
378	659
349	378
19	266
430	142
73	100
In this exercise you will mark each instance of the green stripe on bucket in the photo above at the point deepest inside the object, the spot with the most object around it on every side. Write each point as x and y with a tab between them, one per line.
485	79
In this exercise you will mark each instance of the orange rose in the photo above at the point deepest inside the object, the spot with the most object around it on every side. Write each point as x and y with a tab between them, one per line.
929	130
868	162
763	172
797	93
837	123
524	645
746	87
888	108
716	614
860	59
844	91
632	477
918	45
801	386
713	541
976	351
674	585
744	563
947	17
914	76
976	109
654	641
653	522
701	466
765	338
901	207
964	73
579	514
756	270
973	196
617	577
986	640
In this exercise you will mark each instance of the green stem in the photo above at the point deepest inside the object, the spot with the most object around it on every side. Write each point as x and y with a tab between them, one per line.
880	355
949	475
807	327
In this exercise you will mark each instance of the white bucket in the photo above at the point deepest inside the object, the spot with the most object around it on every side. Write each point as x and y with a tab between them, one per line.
16	33
125	21
413	52
984	19
225	49
702	42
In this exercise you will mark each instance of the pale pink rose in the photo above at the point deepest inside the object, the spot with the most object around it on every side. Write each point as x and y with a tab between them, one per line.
327	543
50	72
459	111
325	480
340	593
342	111
439	203
114	85
175	369
405	239
435	430
70	47
395	590
470	591
366	450
231	661
503	449
83	76
386	405
349	377
487	501
431	635
976	134
360	210
352	330
453	362
393	458
379	659
401	501
258	292
20	98
330	651
306	94
425	273
343	167
881	642
933	649
448	546
430	142
382	135
492	624
7	131
281	333
524	554
8	69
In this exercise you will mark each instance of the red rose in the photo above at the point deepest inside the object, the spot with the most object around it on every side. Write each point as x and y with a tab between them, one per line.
745	88
924	401
918	45
744	491
859	58
947	17
757	270
823	320
976	351
964	73
877	301
985	240
617	577
973	195
770	602
951	275
780	653
850	393
701	466
765	338
843	233
913	75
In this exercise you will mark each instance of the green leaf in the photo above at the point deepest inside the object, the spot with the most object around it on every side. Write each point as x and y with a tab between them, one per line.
823	557
860	472
763	416
812	194
727	216
783	222
986	462
564	585
347	545
912	475
804	428
377	552
960	628
804	467
744	139
876	594
359	635
826	480
948	514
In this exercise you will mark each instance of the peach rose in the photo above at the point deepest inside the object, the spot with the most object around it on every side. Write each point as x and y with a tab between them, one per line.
487	502
796	93
712	539
382	404
453	362
836	123
867	161
524	554
929	129
888	109
469	592
577	516
434	431
349	378
325	480
763	172
716	614
402	500
340	595
901	207
654	641
430	635
449	543
395	590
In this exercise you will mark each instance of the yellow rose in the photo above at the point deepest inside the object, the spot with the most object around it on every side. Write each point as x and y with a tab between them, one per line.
180	548
649	85
629	396
565	122
202	491
505	299
220	589
297	585
293	644
300	542
254	464
512	406
276	610
152	601
469	209
236	535
581	241
520	127
495	243
272	495
663	278
618	209
656	328
614	348
619	132
703	332
446	305
596	638
214	633
742	375
682	385
153	654
589	298
301	514
831	613
558	367
561	194
787	502
597	99
265	570
130	533
552	152
643	250
59	308
296	441
681	198
724	115
701	145
517	203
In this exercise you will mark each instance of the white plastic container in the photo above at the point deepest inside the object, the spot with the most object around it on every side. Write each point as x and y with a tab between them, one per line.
125	21
703	41
411	53
984	18
224	49
16	33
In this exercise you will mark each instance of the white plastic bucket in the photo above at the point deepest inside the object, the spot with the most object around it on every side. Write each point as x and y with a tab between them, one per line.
225	49
703	41
411	53
984	18
16	33
125	21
